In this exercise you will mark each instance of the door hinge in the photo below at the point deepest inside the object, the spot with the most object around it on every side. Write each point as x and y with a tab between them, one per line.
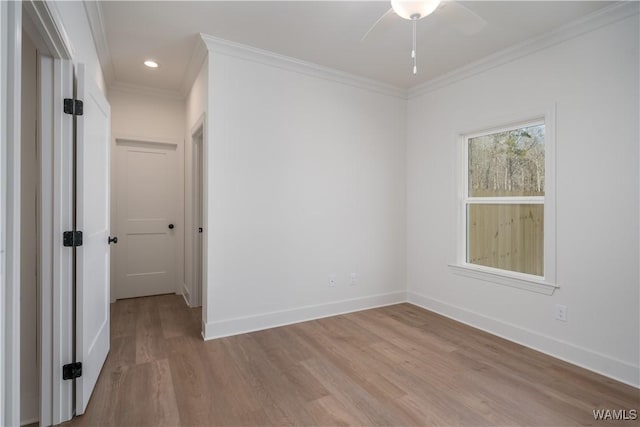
72	371
72	238
73	106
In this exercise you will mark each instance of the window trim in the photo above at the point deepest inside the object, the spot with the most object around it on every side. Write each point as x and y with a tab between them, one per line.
541	284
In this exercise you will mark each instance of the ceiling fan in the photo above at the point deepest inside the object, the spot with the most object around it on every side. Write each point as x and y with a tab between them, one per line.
455	14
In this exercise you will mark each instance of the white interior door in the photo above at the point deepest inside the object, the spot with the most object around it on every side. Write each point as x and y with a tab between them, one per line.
92	218
147	218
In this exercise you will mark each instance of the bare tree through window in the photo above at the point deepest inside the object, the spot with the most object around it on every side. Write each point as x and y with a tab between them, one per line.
505	199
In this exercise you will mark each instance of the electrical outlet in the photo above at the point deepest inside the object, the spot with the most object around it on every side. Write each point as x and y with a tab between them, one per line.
353	280
561	312
332	280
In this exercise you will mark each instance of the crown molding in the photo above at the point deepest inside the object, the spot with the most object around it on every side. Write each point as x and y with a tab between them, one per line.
93	10
605	16
249	53
198	56
206	43
117	86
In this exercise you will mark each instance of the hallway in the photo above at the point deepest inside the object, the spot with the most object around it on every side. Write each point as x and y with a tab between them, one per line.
148	337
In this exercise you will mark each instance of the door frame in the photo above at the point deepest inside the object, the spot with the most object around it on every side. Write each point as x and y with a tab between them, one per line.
10	84
43	23
197	204
200	124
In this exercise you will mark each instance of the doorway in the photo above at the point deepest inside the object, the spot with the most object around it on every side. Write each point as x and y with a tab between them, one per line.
198	217
147	218
55	164
45	212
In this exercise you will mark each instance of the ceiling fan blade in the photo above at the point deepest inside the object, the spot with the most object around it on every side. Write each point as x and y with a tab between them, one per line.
382	24
461	18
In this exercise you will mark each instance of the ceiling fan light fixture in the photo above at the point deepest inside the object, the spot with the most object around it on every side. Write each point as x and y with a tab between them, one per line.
413	10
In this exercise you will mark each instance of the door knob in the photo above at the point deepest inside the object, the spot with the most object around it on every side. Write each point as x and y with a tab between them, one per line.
171	226
113	239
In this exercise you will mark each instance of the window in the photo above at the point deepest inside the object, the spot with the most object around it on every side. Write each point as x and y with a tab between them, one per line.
504	202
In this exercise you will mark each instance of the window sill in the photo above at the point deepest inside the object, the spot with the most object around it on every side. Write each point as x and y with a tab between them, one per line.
515	280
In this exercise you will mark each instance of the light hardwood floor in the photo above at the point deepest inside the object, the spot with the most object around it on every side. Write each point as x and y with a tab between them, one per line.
391	366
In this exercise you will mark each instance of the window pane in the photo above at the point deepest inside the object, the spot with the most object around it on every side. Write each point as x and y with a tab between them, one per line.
509	237
509	163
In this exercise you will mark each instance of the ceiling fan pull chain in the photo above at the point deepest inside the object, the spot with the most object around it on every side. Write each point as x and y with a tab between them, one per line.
414	54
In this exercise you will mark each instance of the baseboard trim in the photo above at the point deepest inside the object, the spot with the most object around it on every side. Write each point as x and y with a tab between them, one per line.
186	295
570	353
242	325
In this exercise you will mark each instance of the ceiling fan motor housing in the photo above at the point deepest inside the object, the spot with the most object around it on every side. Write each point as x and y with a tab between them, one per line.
414	10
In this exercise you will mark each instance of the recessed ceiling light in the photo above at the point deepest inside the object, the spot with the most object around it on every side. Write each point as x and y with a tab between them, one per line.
151	64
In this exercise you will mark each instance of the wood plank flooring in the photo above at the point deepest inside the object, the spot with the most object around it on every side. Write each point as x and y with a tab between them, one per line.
391	366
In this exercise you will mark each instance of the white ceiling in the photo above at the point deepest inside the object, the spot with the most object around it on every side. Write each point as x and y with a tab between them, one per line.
323	32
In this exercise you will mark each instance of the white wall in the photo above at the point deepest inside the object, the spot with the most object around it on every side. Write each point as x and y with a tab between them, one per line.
593	79
196	105
306	179
137	115
29	400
